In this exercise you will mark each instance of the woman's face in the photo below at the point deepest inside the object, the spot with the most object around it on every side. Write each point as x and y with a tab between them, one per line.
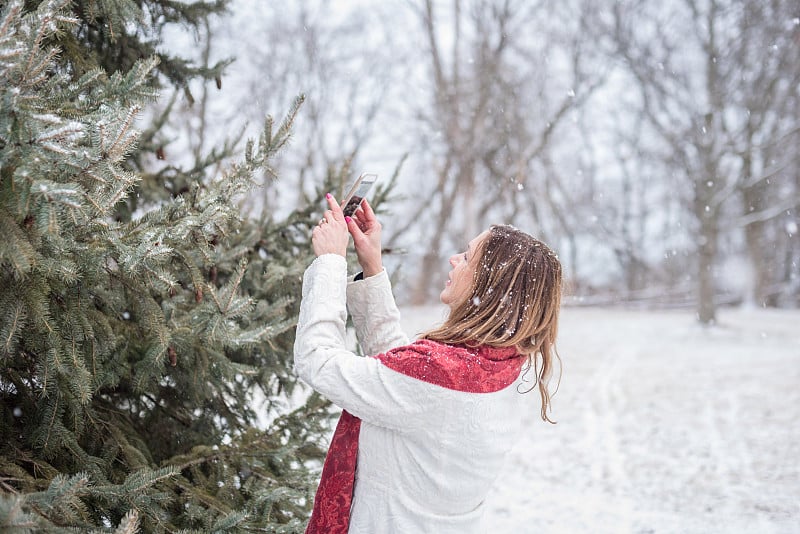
458	287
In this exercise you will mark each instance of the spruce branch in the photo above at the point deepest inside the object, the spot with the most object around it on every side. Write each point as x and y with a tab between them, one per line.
123	139
70	132
129	523
142	479
13	10
13	516
62	499
229	521
16	251
33	71
283	135
232	288
11	328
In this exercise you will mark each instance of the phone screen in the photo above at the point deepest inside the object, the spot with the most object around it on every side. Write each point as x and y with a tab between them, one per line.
357	193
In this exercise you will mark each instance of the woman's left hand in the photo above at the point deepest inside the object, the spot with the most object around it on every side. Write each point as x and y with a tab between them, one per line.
330	236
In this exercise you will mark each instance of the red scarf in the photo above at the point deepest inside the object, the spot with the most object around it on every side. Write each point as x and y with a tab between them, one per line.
472	370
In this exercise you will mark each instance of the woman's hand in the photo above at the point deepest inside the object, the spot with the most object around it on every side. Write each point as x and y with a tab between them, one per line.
330	235
366	232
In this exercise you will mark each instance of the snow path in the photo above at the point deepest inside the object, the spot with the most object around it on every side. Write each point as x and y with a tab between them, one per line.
663	426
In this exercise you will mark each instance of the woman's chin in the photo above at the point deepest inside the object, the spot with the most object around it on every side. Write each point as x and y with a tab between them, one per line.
447	299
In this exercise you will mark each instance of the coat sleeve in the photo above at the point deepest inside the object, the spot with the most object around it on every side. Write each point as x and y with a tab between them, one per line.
361	385
375	315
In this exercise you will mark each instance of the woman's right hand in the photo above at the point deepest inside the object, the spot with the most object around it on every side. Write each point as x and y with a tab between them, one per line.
366	232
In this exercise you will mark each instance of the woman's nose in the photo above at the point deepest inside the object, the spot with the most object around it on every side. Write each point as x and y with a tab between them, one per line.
453	259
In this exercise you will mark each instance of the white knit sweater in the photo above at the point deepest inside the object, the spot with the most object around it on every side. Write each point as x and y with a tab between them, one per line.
427	455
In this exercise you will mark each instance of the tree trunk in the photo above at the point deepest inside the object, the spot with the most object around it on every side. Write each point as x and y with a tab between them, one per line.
707	214
706	304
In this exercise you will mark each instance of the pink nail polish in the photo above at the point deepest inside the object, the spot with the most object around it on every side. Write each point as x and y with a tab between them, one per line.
348	219
328	196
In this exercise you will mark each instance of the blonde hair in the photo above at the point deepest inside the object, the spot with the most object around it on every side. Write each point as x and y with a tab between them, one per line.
515	301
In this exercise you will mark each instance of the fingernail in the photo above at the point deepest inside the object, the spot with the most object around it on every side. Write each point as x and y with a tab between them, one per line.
348	219
328	196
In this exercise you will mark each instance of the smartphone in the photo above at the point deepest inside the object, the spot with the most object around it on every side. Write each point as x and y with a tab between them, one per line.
357	193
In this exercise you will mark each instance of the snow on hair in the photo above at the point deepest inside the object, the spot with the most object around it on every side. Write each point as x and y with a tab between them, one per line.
515	301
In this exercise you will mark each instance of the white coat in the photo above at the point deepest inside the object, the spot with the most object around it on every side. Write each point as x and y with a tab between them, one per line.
427	455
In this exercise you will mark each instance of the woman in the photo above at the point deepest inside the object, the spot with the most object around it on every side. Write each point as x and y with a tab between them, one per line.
425	426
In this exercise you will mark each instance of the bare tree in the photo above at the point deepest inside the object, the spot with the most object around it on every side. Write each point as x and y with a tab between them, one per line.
493	108
767	57
339	58
635	136
698	95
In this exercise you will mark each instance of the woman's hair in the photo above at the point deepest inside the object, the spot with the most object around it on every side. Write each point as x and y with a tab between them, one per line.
515	300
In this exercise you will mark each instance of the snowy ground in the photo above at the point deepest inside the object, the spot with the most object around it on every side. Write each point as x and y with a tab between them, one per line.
663	427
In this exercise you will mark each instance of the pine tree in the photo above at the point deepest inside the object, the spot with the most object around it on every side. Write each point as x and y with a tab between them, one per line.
113	35
131	348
